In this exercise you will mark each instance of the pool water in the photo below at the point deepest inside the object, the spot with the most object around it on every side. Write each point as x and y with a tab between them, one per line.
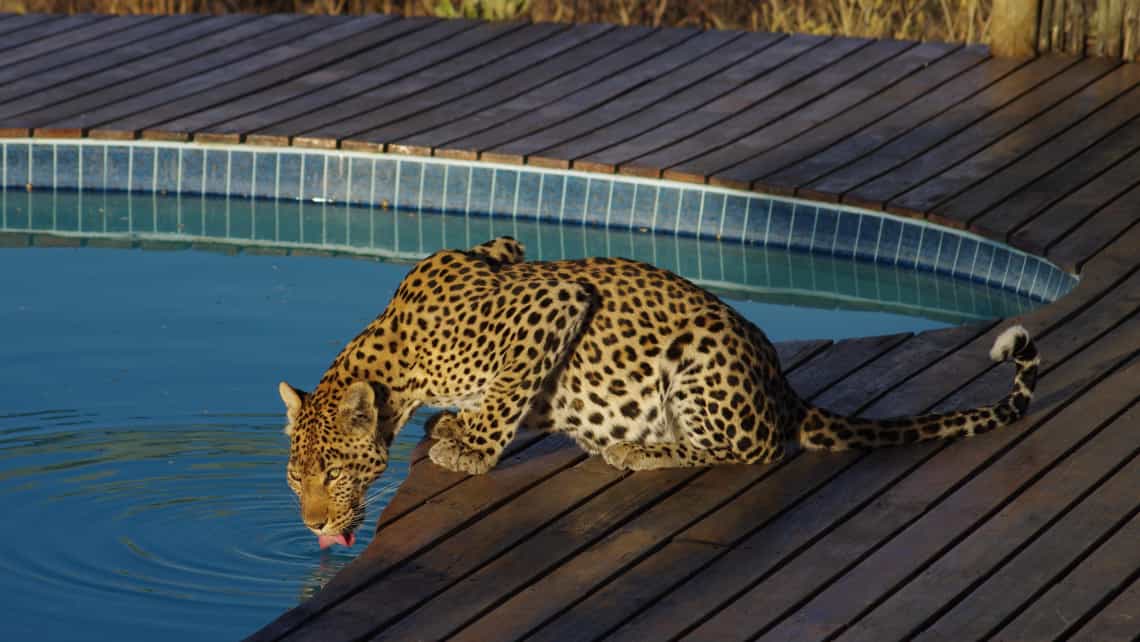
141	454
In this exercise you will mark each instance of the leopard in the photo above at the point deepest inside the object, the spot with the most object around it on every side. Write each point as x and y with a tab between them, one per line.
632	362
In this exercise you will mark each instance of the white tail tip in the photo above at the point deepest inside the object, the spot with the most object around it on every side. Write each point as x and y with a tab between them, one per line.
1007	342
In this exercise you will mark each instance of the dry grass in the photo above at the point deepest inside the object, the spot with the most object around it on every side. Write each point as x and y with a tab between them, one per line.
945	20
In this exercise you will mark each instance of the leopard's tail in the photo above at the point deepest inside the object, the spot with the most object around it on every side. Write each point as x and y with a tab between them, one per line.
824	430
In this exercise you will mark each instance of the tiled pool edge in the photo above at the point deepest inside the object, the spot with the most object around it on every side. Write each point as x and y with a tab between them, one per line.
528	193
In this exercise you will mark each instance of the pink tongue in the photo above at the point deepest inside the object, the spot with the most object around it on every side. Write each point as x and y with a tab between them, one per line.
325	541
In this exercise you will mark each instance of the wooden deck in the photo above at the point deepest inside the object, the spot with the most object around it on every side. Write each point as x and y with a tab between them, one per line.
1029	533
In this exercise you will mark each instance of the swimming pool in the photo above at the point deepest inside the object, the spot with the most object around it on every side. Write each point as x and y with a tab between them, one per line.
140	430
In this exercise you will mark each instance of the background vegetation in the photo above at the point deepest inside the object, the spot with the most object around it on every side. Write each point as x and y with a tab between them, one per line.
945	20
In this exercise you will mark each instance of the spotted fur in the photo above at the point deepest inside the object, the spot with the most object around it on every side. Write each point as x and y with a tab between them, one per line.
633	362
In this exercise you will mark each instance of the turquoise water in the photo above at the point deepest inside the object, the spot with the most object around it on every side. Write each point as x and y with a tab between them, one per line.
141	454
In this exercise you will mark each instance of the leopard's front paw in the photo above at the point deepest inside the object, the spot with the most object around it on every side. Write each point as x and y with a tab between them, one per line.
443	425
625	456
454	456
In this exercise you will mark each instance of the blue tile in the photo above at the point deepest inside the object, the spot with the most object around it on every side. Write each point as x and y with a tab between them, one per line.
867	245
967	254
907	254
217	171
241	173
433	188
735	212
527	205
621	205
712	213
193	170
999	266
288	222
928	250
668	210
644	206
67	166
803	227
17	164
91	161
780	224
759	210
598	200
142	169
689	216
983	262
66	209
359	187
336	178
847	234
825	228
312	223
480	191
265	174
313	177
455	186
550	198
264	215
574	210
947	254
166	181
1015	273
335	222
118	167
506	188
289	175
43	167
890	234
384	184
240	211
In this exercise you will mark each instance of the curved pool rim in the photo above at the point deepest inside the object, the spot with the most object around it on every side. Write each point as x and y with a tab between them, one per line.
480	188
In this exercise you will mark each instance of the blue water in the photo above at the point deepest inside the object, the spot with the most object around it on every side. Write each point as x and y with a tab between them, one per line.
141	453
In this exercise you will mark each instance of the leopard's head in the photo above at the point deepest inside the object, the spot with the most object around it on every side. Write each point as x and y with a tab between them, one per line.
339	446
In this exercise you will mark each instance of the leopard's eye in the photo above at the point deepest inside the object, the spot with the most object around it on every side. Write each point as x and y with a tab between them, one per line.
333	473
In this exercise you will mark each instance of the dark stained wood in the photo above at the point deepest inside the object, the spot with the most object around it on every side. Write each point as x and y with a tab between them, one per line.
276	125
13	23
58	50
904	144
1117	621
1097	232
788	86
63	106
1069	601
16	39
743	83
766	167
1070	116
884	66
878	192
279	64
621	91
1058	545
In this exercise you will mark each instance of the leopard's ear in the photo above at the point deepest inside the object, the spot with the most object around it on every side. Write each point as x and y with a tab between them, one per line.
293	399
358	408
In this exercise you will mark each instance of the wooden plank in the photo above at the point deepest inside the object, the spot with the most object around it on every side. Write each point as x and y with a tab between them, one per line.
1041	233
538	60
443	516
421	127
1058	548
785	484
910	523
726	119
351	57
1066	123
752	561
611	68
882	191
14	23
1118	621
879	66
925	106
36	75
670	95
1073	598
1097	232
542	125
563	538
740	85
51	51
829	132
1107	129
900	145
276	125
156	69
276	65
45	29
